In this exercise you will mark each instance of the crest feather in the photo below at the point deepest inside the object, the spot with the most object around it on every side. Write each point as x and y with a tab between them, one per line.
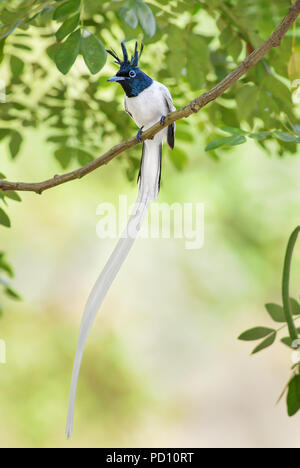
134	59
125	54
114	55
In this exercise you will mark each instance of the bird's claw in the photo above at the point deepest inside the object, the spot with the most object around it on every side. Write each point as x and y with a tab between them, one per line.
139	134
162	119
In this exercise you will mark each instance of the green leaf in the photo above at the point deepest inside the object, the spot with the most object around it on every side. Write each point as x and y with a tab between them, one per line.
295	306
276	312
67	52
10	28
12	293
146	18
83	157
196	54
217	143
274	86
16	66
57	138
287	137
128	14
256	333
233	140
4	266
51	50
12	195
15	143
93	52
265	343
178	158
67	27
234	130
64	156
235	48
246	99
293	396
260	136
2	197
66	9
4	219
226	36
297	129
2	44
288	341
4	132
176	60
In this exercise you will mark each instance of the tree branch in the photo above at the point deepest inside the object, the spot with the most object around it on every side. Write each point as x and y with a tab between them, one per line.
194	106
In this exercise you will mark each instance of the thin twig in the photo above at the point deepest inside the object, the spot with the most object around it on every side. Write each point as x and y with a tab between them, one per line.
194	106
286	284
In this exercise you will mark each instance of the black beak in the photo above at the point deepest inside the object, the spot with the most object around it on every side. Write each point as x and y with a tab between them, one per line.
116	78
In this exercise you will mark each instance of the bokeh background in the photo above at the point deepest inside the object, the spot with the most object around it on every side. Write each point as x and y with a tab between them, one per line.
162	366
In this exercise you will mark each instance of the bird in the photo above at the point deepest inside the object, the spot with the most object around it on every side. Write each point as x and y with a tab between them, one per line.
147	102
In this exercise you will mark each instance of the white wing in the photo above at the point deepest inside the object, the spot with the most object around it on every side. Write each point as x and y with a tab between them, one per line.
169	102
168	97
126	108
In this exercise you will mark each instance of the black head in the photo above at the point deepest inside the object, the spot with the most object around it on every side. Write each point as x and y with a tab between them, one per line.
130	77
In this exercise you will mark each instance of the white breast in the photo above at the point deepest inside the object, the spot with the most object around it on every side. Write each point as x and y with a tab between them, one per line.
148	107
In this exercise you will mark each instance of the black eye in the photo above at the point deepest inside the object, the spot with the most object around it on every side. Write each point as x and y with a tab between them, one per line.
132	74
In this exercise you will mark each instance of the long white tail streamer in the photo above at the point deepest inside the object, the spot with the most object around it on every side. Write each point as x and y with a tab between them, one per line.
148	190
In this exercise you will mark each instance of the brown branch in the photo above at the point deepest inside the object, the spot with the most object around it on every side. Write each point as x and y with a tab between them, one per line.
194	106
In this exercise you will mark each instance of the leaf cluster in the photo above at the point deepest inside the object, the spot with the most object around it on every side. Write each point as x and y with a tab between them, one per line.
286	314
6	273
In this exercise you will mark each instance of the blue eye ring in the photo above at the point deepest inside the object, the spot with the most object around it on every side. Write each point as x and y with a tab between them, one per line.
132	74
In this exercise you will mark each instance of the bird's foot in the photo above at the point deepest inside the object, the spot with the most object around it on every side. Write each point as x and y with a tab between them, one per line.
139	134
162	119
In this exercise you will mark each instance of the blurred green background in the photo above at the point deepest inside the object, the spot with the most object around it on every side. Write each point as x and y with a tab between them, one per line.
162	366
